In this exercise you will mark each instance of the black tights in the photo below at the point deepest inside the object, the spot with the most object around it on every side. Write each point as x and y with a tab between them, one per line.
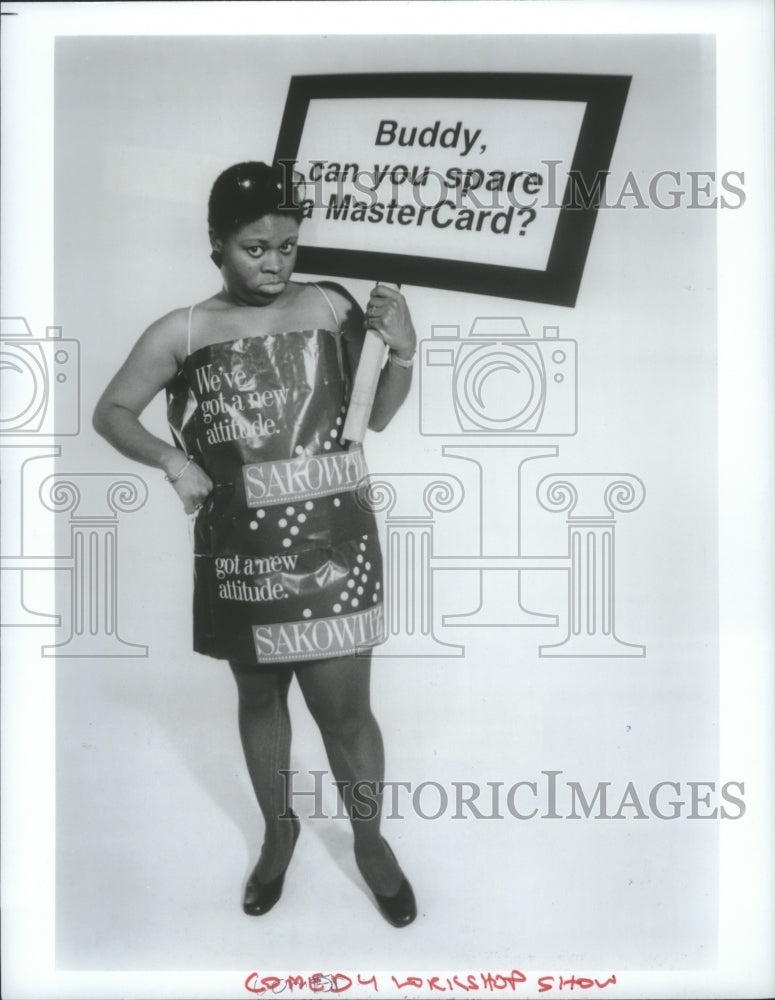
336	692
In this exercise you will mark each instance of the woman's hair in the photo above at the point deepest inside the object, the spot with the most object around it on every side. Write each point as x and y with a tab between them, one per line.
249	191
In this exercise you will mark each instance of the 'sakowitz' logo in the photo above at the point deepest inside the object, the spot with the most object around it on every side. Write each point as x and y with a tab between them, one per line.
302	478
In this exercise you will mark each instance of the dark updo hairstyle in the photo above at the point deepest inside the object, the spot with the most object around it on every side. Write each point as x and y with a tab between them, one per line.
248	191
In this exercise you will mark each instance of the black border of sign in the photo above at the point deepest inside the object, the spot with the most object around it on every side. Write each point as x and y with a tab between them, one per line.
559	283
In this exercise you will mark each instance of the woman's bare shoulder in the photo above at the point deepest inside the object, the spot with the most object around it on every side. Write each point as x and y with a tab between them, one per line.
339	295
168	335
170	324
345	306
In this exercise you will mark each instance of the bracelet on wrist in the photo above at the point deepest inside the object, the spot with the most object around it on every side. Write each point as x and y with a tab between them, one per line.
179	475
401	362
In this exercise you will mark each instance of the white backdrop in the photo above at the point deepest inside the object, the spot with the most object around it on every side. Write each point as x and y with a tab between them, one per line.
155	824
132	244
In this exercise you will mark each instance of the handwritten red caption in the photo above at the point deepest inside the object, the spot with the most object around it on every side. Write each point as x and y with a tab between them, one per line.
488	982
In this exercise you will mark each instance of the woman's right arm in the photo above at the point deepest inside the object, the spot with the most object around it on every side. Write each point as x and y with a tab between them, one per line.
152	362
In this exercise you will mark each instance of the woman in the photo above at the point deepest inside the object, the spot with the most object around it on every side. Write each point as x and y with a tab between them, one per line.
287	560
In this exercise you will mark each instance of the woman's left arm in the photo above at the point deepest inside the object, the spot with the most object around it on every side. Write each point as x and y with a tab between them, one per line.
388	315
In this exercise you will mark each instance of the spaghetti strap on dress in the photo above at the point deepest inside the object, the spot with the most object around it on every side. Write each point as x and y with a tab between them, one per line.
188	342
330	304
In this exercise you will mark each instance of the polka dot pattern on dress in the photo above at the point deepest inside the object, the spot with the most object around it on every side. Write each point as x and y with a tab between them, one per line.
283	522
356	592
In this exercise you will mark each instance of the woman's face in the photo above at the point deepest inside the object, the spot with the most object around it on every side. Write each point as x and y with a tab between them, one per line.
257	261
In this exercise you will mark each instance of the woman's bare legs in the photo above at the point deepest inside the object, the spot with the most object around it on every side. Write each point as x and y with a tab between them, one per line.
337	694
265	731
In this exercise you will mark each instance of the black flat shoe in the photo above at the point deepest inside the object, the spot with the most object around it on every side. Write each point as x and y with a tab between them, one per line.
260	896
400	909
